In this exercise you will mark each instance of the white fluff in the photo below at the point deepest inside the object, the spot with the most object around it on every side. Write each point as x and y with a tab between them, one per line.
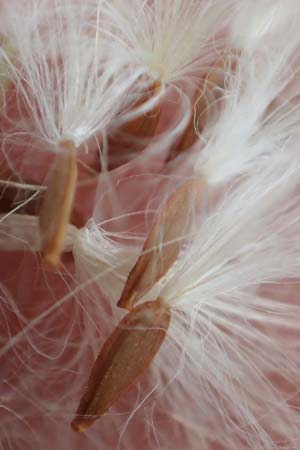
227	376
263	22
21	232
98	255
230	335
259	110
170	38
71	88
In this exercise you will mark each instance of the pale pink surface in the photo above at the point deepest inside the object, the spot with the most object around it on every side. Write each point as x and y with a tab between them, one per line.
31	382
35	373
37	407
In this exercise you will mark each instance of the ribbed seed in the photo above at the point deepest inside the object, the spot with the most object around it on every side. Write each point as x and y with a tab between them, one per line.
57	203
124	357
163	243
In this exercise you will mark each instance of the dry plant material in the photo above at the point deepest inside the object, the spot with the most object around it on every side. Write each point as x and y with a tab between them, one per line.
132	136
164	242
4	66
124	357
57	203
206	97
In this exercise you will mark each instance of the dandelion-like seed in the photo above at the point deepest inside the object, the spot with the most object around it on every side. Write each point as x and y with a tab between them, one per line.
149	152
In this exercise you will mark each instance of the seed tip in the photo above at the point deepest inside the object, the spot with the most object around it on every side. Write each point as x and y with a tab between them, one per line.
127	301
52	259
80	425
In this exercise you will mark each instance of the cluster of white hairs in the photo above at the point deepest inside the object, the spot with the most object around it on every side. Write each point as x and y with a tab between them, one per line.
227	374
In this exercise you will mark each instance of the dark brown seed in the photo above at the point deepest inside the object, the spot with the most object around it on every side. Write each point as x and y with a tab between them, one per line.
164	242
57	203
124	357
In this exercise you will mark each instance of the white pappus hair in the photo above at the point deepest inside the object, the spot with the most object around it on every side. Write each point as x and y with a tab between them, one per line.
170	38
62	69
227	374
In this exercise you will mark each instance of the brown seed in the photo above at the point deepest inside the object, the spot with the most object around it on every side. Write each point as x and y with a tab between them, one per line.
124	357
163	243
57	203
205	99
132	136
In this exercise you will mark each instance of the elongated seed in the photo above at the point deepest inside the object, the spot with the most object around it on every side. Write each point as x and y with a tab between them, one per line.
124	357
205	99
163	243
133	135
57	203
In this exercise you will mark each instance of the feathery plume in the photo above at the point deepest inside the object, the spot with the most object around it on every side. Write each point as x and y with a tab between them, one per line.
203	251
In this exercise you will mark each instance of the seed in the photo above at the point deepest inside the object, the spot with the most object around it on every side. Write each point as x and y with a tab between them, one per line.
124	357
